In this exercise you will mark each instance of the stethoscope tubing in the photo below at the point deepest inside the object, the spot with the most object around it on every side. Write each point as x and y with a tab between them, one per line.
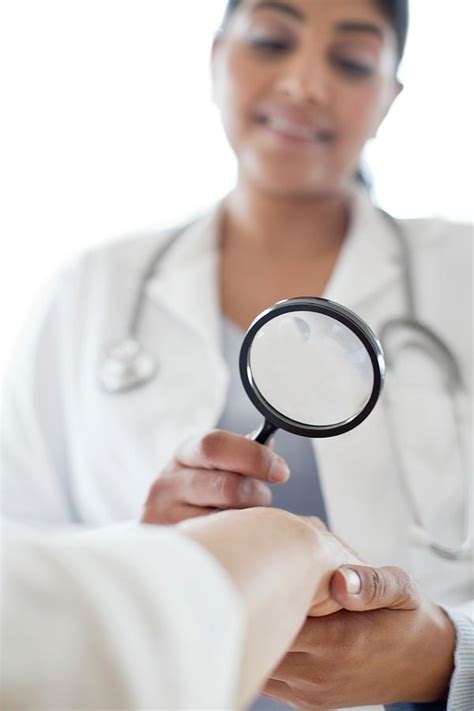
149	271
448	362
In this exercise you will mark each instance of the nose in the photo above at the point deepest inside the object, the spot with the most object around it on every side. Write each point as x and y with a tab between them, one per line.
303	79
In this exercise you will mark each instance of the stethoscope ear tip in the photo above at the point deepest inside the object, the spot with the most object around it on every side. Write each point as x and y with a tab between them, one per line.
126	366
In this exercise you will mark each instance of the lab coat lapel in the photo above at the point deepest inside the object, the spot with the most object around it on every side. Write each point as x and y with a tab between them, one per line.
185	292
187	285
369	259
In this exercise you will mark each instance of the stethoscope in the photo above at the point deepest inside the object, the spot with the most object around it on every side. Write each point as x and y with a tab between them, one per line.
422	335
127	366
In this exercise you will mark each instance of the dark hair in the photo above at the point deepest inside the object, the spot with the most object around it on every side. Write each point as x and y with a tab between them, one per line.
396	12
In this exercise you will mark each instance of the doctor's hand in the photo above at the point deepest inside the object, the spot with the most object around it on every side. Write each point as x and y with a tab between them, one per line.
389	644
220	470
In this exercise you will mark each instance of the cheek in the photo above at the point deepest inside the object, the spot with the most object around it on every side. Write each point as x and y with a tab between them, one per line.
240	84
359	113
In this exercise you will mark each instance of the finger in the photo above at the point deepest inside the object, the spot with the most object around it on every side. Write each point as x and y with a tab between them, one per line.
174	514
360	588
278	691
223	490
230	452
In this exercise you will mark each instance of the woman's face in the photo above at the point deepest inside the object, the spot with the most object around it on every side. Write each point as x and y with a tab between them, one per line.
302	85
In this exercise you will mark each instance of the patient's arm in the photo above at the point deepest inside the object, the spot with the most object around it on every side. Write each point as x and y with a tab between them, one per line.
282	564
142	617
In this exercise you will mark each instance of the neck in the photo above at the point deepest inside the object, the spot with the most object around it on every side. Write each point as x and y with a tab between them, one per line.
284	227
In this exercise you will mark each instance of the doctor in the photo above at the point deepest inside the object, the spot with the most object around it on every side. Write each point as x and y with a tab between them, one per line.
302	85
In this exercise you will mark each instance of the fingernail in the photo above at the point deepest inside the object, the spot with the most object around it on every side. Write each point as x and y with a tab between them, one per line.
278	470
353	580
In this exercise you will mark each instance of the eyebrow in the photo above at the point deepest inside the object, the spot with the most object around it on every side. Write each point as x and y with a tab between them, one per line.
356	26
344	26
283	7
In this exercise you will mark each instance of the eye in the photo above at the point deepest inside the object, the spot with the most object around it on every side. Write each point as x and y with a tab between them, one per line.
353	68
269	45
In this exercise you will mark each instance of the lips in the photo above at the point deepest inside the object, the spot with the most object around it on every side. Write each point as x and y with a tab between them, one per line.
295	126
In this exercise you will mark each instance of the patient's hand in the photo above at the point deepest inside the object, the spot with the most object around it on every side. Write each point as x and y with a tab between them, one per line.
336	553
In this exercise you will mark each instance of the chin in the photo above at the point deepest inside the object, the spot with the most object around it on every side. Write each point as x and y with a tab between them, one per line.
291	182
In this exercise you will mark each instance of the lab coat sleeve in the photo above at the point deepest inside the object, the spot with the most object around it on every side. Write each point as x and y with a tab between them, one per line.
34	462
118	621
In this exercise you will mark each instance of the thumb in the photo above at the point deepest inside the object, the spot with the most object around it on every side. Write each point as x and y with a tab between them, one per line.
360	588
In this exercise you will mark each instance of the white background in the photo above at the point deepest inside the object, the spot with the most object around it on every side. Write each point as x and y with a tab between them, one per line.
107	126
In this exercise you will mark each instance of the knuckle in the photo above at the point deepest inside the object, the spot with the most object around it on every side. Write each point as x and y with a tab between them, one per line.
407	589
390	586
398	574
377	587
226	485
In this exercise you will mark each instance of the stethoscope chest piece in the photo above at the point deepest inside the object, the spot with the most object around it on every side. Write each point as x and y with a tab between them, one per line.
126	366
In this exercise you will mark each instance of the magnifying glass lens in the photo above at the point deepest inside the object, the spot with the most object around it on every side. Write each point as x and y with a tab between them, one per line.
311	368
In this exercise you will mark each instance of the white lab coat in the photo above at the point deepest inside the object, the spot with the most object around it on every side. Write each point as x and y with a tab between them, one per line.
117	622
72	452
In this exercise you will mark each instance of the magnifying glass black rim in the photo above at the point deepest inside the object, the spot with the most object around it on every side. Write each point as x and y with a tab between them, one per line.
349	319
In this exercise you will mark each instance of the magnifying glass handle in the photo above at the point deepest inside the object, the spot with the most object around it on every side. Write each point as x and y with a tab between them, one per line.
264	432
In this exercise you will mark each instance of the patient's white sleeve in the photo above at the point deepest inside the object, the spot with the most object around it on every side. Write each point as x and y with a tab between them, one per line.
139	618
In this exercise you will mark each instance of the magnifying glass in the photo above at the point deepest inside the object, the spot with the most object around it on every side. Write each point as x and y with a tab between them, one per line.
311	367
